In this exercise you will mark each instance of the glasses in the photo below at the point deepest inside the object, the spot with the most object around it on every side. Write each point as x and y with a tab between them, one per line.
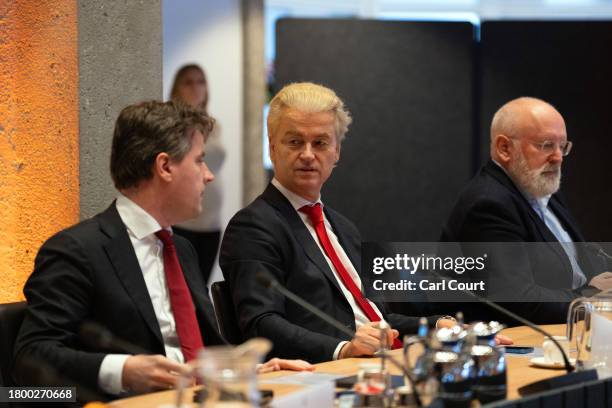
549	147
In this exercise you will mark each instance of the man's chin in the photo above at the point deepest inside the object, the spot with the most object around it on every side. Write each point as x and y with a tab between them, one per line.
308	180
306	174
195	213
307	189
549	187
550	175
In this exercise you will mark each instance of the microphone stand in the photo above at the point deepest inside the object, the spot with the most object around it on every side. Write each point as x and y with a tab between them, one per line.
384	343
99	337
570	378
267	281
568	366
599	251
45	374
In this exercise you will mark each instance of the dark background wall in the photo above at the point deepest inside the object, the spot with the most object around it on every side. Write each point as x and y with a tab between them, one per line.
568	64
409	88
422	96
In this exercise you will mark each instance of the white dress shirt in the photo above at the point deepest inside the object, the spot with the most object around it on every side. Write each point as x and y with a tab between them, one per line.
141	228
298	202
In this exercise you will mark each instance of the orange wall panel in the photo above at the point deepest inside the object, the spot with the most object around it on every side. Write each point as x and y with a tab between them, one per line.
39	147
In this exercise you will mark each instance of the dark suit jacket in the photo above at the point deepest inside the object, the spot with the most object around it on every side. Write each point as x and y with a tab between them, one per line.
491	209
269	235
89	272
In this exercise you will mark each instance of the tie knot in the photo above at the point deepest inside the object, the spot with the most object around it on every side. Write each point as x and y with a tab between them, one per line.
314	213
165	237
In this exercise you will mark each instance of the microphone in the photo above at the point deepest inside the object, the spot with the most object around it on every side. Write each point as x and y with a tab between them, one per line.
44	374
568	379
267	281
599	251
384	342
99	337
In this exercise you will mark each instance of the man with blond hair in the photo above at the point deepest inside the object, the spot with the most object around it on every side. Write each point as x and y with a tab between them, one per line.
514	199
311	249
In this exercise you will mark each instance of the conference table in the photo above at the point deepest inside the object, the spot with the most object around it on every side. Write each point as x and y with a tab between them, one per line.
520	371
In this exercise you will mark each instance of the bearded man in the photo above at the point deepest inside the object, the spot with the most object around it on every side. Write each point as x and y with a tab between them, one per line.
537	260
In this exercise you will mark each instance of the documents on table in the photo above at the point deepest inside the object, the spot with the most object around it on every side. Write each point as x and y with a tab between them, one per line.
305	379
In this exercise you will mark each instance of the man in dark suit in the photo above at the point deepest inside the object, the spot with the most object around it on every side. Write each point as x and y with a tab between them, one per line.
308	247
514	200
124	269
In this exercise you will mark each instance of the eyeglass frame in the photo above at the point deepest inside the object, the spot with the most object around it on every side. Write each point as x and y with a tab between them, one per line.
566	147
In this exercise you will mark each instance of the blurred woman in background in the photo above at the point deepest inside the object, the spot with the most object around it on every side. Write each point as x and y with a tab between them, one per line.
204	233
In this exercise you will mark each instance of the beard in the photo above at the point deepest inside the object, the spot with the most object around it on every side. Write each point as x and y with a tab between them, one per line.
537	183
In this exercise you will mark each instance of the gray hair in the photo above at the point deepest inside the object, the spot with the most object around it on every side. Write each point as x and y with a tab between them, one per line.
311	98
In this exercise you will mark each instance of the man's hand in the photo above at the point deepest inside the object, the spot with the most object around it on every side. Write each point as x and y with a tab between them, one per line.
603	281
366	341
502	340
277	364
144	373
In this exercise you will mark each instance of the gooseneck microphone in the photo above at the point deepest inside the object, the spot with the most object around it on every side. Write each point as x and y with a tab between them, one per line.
99	337
41	373
599	251
267	281
568	379
568	366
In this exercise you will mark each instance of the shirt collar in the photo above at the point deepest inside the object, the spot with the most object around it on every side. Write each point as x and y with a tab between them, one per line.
296	201
139	222
543	202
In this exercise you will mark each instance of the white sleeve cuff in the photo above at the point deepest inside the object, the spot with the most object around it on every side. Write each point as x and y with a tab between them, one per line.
338	348
111	373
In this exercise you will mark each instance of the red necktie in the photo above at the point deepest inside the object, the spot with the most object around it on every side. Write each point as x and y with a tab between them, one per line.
315	214
183	308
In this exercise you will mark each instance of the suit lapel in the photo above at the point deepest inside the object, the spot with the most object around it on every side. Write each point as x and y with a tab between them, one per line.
301	233
192	277
499	174
197	288
583	256
121	254
546	234
353	256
